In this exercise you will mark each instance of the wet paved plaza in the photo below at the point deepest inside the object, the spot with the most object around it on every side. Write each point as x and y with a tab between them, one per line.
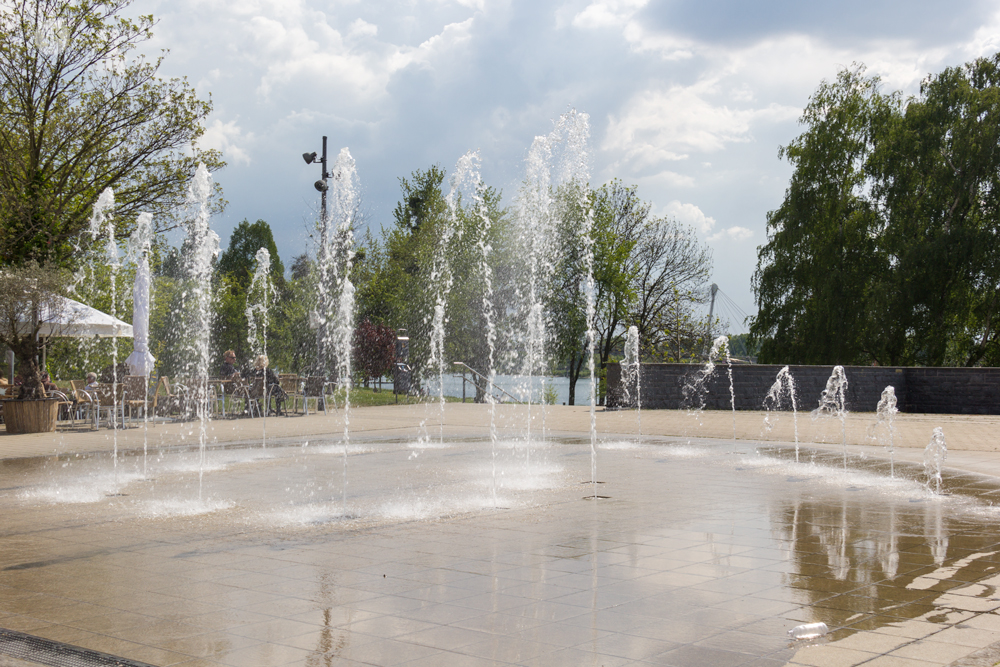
704	553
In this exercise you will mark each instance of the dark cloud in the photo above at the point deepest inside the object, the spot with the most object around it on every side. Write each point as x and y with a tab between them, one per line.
845	22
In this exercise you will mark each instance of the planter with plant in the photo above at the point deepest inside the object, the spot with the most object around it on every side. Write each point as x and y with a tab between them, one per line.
30	297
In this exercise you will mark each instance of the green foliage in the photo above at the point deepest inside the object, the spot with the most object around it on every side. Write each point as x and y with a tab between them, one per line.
647	271
80	112
233	291
238	260
24	291
374	350
883	248
394	282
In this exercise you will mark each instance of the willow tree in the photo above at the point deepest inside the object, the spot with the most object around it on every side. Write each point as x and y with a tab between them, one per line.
884	248
814	272
80	111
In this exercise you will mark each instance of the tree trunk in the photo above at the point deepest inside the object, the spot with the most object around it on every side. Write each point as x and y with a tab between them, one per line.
575	366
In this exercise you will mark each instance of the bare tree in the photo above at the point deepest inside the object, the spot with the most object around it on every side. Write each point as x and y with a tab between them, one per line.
672	267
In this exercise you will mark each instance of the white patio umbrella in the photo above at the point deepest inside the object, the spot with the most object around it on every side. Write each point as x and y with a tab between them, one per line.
67	318
62	317
140	362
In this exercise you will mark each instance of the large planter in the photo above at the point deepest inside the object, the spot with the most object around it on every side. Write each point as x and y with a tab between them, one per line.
31	416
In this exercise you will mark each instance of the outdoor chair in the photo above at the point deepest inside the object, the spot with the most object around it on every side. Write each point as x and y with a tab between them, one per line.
291	385
87	406
136	394
258	397
110	404
239	390
66	406
190	392
166	403
314	387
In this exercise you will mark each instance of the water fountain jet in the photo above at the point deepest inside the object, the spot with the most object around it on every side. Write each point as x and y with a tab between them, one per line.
784	384
832	403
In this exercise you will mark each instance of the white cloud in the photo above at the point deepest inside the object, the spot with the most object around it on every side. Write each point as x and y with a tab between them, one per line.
668	125
690	214
735	233
228	138
607	13
362	28
689	116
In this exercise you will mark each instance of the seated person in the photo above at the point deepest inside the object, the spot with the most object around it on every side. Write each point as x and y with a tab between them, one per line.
228	370
22	379
48	383
91	381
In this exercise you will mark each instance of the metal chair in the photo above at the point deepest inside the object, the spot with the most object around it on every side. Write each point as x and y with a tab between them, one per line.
314	387
291	385
110	404
239	390
66	406
136	393
87	406
257	394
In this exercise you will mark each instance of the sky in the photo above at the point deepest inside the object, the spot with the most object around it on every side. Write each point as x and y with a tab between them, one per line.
689	100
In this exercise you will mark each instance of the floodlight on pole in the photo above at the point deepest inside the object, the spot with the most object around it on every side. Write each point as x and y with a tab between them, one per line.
321	185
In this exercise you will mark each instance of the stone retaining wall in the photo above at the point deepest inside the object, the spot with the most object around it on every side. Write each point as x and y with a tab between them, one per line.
973	391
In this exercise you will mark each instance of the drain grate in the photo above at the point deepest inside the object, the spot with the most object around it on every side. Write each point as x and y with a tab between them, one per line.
56	654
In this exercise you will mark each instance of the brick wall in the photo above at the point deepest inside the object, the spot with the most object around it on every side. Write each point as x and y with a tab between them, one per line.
929	390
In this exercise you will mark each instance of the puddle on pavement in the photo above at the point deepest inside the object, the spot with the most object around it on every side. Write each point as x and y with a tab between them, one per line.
693	531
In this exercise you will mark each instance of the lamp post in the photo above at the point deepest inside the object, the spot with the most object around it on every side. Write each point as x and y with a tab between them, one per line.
320	185
322	256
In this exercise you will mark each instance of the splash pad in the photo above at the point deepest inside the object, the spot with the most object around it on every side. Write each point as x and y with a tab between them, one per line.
706	551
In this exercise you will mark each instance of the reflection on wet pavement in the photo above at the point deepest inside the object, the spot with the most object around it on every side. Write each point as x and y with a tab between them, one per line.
703	555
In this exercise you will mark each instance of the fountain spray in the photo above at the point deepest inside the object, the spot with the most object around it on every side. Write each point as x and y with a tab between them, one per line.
631	376
783	384
573	131
204	246
139	244
536	221
259	298
336	289
885	414
101	223
832	403
467	171
934	455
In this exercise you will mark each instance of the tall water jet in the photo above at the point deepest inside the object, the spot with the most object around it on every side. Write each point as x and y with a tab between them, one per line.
784	385
441	279
572	131
336	291
833	403
141	361
102	225
632	374
203	245
885	417
934	455
536	222
467	176
259	298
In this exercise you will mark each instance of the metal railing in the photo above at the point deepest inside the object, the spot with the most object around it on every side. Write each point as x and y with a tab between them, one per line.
484	378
